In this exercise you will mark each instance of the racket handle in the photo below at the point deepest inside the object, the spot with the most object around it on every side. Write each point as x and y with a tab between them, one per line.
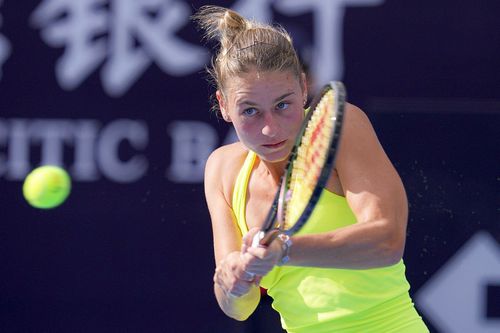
264	238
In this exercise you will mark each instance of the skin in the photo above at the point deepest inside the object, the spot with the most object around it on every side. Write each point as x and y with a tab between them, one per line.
266	109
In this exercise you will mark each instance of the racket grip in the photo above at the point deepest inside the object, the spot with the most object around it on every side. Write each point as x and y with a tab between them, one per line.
264	239
257	238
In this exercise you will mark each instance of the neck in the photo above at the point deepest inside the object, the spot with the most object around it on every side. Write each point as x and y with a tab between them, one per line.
274	169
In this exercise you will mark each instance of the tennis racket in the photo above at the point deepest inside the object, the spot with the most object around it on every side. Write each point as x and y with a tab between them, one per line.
309	166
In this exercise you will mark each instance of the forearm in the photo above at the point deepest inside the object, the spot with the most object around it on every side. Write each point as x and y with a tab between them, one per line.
360	246
239	308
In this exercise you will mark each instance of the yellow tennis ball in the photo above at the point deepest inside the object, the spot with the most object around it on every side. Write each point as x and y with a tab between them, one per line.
46	187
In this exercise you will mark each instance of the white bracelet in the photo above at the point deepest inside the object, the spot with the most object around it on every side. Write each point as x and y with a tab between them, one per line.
286	243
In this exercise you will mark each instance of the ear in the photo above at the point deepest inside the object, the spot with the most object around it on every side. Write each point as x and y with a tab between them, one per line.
222	106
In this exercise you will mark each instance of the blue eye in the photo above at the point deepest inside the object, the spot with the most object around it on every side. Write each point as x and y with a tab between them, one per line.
282	105
250	111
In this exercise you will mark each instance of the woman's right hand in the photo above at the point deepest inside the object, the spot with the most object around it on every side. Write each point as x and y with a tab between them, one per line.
231	277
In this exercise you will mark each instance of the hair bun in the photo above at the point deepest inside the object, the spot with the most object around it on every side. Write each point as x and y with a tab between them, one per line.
244	44
221	23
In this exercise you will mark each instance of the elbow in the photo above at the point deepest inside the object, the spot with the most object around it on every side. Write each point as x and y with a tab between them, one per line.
235	314
238	308
393	251
238	316
392	257
393	241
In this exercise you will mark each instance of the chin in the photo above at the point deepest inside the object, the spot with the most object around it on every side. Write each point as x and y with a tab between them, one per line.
275	157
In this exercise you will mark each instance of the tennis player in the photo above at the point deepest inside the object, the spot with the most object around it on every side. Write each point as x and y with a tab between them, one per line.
344	271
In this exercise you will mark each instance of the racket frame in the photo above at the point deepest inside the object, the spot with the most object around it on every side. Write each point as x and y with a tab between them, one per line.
274	222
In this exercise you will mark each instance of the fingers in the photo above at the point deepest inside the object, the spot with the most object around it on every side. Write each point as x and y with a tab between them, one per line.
248	276
241	271
248	238
260	260
270	253
232	278
255	265
232	286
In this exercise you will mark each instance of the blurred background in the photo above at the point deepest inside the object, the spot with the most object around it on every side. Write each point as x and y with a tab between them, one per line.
115	92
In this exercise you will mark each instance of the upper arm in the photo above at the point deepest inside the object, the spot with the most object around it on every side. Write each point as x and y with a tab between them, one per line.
227	237
371	184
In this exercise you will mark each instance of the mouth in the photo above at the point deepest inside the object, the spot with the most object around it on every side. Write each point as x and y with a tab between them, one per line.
275	145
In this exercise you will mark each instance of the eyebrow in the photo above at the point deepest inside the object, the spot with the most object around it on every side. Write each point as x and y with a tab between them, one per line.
247	102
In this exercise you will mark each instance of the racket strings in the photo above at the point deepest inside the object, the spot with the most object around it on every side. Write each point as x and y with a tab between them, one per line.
311	156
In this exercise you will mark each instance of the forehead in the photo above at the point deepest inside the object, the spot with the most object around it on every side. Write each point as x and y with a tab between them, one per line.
256	82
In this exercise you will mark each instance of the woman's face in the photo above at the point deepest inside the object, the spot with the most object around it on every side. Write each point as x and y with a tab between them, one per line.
266	109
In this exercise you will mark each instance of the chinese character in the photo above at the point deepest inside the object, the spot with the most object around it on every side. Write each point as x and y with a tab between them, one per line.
4	46
258	10
125	36
327	59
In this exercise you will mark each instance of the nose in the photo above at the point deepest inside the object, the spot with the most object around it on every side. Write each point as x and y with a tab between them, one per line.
271	126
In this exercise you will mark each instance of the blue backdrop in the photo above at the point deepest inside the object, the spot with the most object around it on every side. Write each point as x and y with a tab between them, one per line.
115	91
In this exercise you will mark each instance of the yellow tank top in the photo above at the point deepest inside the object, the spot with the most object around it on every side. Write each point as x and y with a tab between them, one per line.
319	300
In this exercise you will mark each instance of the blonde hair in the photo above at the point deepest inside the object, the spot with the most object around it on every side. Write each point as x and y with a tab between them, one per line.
245	44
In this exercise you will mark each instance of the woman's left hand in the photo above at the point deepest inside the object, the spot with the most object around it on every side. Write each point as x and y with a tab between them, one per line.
262	259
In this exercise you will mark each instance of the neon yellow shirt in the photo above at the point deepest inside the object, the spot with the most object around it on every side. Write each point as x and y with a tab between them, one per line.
320	300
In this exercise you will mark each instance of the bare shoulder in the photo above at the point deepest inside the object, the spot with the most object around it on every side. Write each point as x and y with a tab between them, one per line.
355	118
362	162
358	136
223	166
226	159
358	133
221	170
